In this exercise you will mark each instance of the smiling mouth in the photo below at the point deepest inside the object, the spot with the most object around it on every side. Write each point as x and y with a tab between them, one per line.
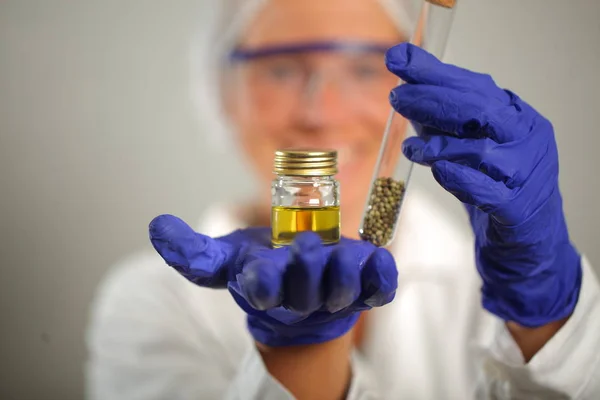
347	154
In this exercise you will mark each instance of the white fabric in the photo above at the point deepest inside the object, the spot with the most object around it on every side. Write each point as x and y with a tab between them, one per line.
154	335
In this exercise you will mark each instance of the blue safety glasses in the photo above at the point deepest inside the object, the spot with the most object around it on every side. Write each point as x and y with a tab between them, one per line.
345	47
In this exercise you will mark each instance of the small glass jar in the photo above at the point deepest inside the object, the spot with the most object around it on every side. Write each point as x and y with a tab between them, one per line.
305	196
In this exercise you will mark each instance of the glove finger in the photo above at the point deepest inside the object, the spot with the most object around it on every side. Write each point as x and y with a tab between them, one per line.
238	296
416	66
342	276
303	278
261	283
500	162
462	114
470	186
200	258
379	279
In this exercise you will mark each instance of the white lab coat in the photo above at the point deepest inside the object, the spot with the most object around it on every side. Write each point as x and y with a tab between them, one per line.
154	335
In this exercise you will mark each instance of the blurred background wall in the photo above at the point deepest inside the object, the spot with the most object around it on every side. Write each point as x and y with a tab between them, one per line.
98	136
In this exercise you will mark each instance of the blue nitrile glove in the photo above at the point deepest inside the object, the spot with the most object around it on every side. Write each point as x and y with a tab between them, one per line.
496	154
303	294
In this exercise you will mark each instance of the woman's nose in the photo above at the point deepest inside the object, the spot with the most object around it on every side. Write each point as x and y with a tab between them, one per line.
324	103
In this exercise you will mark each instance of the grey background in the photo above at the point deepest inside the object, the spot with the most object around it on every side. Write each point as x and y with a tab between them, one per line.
98	135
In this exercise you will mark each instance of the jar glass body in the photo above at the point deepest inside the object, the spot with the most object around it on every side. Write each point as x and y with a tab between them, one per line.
304	203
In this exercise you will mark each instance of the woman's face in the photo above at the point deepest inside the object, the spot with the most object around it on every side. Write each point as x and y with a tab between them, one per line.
327	99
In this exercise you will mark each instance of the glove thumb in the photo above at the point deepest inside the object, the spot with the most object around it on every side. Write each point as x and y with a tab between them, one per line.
199	258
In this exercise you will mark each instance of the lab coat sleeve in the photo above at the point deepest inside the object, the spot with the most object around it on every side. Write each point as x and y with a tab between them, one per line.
253	381
567	367
145	344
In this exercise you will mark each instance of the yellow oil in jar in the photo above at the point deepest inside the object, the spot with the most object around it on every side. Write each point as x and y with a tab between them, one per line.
287	222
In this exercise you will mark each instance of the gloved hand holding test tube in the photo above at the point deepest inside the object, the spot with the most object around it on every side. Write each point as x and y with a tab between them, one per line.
393	170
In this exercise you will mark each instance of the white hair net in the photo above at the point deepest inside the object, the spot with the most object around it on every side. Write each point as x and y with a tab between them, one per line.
220	26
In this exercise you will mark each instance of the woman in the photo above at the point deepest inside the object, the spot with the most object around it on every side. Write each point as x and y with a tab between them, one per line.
517	323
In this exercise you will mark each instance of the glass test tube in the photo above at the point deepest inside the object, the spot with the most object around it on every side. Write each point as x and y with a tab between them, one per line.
393	169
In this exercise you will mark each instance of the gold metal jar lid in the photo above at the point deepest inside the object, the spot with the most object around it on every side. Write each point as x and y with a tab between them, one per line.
305	162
